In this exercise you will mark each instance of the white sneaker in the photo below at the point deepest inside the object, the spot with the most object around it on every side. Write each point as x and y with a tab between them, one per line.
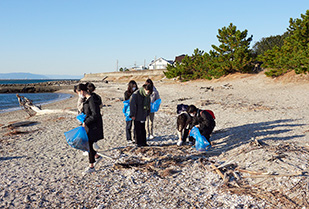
89	170
98	159
95	146
180	143
85	153
151	137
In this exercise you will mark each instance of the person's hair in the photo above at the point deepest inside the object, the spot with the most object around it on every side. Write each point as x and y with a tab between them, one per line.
191	109
149	81
90	87
130	86
75	88
81	87
148	87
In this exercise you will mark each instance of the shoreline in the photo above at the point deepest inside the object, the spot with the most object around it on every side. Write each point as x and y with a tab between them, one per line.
62	96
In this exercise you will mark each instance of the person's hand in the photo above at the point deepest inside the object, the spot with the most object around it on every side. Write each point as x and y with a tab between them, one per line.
84	125
133	118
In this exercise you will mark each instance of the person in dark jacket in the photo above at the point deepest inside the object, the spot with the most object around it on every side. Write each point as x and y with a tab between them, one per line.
93	123
203	120
139	110
132	87
91	87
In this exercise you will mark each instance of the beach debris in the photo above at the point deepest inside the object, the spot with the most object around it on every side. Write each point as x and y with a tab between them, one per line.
27	105
208	88
226	86
32	109
181	99
14	124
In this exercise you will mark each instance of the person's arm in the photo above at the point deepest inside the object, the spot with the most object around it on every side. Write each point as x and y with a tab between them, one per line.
133	106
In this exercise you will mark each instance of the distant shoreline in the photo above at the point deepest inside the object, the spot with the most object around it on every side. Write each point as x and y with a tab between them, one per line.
37	87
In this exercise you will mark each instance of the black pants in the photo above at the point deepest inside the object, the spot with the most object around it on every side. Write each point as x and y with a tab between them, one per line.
140	133
128	131
92	152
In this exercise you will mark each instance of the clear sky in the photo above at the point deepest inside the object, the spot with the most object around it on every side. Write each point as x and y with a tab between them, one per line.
89	36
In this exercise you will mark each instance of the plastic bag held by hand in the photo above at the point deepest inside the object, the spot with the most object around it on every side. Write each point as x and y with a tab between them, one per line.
201	143
77	138
126	109
81	117
154	107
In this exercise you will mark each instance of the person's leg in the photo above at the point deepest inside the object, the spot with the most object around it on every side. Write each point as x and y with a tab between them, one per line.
143	134
91	154
147	126
134	133
138	133
151	119
128	130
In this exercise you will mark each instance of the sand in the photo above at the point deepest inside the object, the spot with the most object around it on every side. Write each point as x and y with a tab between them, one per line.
261	143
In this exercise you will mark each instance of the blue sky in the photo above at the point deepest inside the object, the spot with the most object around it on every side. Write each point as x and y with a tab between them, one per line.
78	36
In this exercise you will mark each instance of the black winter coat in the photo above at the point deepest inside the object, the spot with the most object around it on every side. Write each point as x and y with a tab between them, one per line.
205	121
137	107
93	120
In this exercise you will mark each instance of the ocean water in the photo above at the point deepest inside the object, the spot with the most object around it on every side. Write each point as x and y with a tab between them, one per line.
9	102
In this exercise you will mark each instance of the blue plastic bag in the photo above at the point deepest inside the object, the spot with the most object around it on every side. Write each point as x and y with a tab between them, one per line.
77	138
154	107
126	110
81	117
201	143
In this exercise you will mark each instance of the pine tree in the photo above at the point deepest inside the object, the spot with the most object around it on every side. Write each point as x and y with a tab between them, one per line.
233	54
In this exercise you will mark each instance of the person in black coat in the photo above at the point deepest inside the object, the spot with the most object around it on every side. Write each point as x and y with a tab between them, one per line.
139	110
203	120
93	123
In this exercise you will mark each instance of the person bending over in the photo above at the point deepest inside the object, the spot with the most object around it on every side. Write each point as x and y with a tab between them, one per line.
203	120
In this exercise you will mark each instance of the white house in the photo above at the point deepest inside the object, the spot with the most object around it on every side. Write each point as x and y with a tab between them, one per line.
159	63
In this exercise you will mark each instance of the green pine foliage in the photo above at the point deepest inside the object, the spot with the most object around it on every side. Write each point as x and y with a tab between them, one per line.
233	55
293	55
268	43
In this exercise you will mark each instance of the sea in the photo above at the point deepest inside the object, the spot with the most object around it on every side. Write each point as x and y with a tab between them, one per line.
9	102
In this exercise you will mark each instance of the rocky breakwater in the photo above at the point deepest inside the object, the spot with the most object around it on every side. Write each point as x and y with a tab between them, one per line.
50	86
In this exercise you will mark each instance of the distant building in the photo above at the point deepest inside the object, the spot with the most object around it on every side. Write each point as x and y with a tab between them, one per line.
179	58
159	63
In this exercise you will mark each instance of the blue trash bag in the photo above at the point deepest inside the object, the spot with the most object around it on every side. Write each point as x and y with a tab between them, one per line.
154	107
77	138
201	143
81	117
126	110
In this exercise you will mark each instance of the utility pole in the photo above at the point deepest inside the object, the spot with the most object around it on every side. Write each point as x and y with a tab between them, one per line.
117	66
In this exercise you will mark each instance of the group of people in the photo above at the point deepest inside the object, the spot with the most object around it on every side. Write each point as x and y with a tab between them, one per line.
140	100
140	114
90	104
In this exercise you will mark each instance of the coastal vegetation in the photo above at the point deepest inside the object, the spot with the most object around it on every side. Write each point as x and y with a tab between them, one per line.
280	54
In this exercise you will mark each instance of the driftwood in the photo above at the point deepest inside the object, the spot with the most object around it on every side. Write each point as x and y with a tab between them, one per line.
32	109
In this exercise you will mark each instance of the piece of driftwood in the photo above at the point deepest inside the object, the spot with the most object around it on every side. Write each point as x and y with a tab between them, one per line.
20	124
32	109
217	171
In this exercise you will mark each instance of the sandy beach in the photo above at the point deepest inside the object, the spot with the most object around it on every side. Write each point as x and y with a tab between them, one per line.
259	157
